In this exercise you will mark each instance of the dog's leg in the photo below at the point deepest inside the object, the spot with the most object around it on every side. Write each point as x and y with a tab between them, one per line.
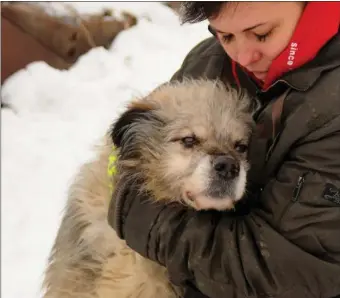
84	241
88	260
129	275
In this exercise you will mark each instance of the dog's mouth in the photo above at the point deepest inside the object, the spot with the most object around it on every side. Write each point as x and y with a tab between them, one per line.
203	201
207	189
189	196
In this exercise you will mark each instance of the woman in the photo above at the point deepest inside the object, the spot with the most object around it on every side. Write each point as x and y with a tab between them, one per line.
288	243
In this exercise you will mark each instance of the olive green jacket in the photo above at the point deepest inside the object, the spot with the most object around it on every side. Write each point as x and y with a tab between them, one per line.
284	241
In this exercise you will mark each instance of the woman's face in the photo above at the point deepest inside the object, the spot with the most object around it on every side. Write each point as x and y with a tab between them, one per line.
254	33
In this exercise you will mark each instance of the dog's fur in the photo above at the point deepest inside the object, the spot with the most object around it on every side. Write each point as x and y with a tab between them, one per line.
185	141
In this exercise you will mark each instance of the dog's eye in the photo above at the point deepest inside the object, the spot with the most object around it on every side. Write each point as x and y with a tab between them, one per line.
189	142
241	148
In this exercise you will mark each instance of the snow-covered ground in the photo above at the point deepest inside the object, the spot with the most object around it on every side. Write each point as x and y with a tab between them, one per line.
56	118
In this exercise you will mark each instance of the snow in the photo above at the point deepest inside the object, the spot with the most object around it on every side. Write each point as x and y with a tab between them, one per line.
56	118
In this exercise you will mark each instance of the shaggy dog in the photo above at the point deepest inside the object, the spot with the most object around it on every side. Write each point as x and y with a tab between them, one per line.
187	142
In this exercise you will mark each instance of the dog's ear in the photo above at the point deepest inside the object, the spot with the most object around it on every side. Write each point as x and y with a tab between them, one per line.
133	114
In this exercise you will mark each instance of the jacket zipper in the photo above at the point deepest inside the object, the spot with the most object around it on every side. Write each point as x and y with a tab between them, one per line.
295	196
298	186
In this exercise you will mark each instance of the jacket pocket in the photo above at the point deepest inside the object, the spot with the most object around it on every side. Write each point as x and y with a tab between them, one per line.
296	192
311	219
313	189
299	185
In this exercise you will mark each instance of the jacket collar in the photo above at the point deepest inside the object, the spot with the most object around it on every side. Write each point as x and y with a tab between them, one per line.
300	79
327	59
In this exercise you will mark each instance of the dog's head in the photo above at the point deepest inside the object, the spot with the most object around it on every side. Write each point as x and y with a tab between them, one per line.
188	141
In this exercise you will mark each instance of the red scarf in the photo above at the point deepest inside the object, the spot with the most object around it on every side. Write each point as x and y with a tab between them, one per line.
319	22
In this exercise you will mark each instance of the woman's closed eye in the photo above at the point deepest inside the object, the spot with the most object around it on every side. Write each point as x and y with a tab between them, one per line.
263	37
227	38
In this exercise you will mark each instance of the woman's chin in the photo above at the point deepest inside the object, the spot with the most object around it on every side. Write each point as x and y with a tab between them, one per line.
261	75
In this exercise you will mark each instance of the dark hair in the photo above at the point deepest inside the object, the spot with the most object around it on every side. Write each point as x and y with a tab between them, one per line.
197	11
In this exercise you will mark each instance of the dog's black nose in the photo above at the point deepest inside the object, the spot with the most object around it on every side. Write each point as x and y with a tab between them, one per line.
226	167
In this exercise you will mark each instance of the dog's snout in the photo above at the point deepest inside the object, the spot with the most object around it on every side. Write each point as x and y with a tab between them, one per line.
226	167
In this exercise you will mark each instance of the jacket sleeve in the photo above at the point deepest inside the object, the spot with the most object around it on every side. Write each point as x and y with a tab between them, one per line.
288	247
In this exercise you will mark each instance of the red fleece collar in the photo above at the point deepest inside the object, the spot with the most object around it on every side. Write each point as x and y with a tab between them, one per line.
319	22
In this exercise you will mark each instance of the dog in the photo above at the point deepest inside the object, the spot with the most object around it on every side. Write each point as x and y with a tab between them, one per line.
187	142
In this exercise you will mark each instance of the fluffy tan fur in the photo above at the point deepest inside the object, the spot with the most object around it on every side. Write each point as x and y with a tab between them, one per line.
88	259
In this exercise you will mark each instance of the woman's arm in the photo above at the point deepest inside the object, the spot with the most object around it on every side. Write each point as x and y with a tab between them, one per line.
290	247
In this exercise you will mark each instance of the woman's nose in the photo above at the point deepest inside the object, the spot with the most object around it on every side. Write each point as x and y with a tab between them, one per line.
247	56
